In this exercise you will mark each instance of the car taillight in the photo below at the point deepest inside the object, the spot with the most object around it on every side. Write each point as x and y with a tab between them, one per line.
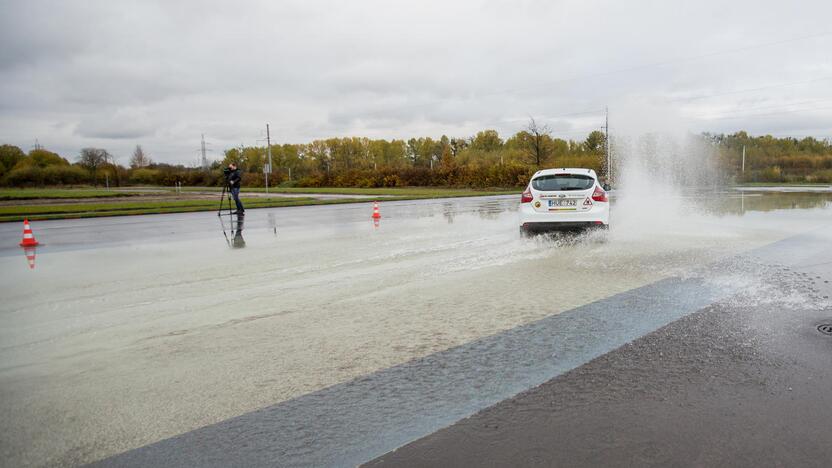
526	197
599	195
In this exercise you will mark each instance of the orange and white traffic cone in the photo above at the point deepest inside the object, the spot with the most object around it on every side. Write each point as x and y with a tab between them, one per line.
28	237
376	213
30	256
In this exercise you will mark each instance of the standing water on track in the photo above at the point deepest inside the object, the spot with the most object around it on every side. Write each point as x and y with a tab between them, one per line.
136	341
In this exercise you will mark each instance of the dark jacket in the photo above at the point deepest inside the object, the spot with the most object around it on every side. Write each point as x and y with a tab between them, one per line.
234	178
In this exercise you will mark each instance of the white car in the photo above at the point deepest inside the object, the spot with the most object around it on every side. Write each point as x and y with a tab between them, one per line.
565	199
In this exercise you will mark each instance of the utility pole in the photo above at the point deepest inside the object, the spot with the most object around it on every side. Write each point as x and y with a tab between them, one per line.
240	158
107	174
269	151
607	143
743	159
204	158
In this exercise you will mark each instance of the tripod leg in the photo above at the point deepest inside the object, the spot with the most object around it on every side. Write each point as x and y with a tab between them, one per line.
222	197
230	213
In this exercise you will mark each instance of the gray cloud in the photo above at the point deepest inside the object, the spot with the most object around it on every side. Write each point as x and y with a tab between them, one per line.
114	74
125	123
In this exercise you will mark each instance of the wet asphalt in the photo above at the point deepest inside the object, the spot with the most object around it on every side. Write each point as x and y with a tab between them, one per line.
613	389
729	377
92	233
746	381
347	424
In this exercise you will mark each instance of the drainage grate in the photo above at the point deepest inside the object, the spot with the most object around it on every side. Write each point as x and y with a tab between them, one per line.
826	328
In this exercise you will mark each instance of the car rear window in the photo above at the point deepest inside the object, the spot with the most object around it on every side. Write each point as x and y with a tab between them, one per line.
558	182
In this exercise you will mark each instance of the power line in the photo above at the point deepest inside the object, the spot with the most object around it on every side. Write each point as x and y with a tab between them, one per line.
748	90
792	111
598	110
613	72
665	62
777	106
580	131
594	111
740	112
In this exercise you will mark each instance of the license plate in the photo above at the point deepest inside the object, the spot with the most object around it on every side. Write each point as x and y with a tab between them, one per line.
563	202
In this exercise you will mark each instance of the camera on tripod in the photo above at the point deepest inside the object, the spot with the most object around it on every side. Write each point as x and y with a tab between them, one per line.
229	173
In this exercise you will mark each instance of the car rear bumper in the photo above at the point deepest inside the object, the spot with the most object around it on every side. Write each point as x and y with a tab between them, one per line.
600	213
540	227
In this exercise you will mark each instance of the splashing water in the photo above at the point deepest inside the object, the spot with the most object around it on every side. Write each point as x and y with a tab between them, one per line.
663	220
661	177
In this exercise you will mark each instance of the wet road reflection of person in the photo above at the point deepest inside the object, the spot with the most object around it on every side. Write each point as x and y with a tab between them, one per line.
272	222
238	242
235	229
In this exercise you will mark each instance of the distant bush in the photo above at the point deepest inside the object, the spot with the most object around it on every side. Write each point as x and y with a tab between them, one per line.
391	180
201	178
65	175
253	179
33	176
144	176
822	177
41	158
27	176
771	174
314	180
10	155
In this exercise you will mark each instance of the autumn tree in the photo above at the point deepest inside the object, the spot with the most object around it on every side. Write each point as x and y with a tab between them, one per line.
42	158
537	142
92	159
457	145
139	158
595	142
10	155
421	151
487	140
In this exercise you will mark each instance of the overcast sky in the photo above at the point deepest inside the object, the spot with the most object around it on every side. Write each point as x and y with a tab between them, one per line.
114	74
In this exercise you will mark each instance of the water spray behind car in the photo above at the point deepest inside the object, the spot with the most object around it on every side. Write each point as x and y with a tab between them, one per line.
660	166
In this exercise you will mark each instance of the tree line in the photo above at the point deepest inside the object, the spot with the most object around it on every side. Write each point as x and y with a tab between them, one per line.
481	160
771	159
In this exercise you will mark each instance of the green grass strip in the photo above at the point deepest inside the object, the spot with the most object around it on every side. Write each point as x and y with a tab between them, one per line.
34	194
89	210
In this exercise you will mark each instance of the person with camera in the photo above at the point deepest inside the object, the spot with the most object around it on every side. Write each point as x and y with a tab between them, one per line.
234	179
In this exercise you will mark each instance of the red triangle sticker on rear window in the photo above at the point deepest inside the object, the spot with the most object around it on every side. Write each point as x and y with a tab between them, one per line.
587	202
